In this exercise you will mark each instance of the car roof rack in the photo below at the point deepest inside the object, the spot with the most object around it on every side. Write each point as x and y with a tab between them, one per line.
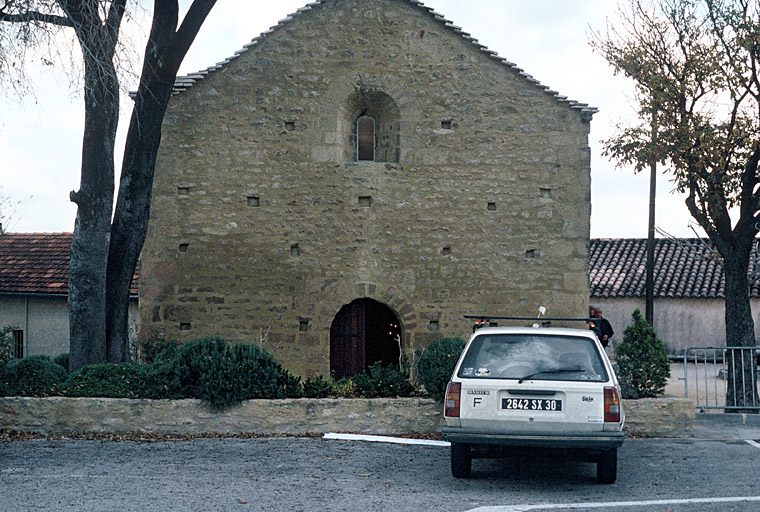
482	320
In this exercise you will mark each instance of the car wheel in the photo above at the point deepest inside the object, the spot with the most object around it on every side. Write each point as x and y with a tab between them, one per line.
606	467
461	460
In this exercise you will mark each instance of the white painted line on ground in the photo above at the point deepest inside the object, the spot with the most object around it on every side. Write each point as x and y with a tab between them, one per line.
557	506
383	439
753	443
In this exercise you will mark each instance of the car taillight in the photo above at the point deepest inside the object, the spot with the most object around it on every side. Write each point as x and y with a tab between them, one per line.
453	394
611	405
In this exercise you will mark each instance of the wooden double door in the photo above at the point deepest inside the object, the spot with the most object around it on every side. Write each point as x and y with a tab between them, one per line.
363	333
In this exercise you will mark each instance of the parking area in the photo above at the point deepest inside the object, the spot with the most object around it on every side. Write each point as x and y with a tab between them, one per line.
716	470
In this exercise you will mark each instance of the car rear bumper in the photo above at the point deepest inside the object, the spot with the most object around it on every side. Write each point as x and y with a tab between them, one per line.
580	440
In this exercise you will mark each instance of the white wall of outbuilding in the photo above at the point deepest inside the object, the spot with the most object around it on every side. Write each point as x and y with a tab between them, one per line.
680	323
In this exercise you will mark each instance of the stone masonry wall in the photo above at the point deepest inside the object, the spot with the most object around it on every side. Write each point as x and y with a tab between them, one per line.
663	417
263	225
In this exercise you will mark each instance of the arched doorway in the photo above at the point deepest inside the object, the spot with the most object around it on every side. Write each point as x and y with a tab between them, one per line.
363	333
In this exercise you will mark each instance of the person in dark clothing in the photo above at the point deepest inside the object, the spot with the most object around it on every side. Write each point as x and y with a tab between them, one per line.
605	328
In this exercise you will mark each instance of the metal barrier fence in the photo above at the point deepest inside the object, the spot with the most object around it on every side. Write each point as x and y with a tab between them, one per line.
722	377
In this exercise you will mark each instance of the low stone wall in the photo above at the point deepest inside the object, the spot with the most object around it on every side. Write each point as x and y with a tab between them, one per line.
290	416
660	417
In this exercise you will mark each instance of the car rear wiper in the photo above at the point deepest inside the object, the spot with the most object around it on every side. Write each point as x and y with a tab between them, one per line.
553	370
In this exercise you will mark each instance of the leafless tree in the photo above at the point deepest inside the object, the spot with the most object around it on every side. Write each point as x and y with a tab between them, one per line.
104	252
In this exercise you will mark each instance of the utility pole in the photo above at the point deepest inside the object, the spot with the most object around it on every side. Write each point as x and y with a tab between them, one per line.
649	313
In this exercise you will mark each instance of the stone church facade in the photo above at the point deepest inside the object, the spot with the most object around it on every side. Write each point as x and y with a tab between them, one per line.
356	180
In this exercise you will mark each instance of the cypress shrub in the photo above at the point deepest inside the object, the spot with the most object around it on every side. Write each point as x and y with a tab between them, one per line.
32	376
125	380
379	382
436	364
644	364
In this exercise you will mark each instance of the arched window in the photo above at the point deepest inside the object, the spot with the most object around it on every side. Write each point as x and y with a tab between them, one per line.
370	126
365	140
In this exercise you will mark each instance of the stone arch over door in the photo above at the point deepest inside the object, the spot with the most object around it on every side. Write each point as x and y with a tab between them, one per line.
363	332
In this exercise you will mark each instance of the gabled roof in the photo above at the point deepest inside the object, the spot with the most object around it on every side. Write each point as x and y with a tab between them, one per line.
684	268
183	83
37	264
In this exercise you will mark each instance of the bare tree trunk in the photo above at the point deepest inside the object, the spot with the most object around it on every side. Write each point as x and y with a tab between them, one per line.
94	200
130	224
166	48
741	380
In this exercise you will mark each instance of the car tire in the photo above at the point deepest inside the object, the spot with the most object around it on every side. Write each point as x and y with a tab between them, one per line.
606	467
461	460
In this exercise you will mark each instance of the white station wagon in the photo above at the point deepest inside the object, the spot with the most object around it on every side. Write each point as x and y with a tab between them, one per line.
516	390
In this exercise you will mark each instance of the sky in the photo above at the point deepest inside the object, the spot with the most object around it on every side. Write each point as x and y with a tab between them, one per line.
41	134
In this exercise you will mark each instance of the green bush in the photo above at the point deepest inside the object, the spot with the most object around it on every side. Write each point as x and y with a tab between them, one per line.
344	388
291	384
436	364
32	376
157	351
6	345
224	374
644	365
319	387
379	381
125	380
160	381
63	360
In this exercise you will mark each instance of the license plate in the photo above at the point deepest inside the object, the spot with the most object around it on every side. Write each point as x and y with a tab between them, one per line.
531	404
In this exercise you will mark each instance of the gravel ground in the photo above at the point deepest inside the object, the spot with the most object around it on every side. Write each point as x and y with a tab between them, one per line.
218	474
312	474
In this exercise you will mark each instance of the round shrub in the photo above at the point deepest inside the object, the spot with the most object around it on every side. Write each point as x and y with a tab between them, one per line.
643	362
224	373
436	364
63	360
381	382
32	376
125	380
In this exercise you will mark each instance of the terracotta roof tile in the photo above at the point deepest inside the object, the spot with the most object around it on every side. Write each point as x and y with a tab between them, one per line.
684	268
37	263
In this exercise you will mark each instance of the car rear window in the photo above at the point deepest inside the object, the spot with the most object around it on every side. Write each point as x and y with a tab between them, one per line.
535	357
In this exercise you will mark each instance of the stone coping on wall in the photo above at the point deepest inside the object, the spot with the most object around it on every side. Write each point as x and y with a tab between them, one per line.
659	417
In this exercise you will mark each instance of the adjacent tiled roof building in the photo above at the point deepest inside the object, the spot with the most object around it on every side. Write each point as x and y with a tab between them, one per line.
684	268
37	264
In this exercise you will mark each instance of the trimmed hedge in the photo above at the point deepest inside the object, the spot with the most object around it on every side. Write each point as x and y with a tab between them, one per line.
212	369
63	360
125	380
32	376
